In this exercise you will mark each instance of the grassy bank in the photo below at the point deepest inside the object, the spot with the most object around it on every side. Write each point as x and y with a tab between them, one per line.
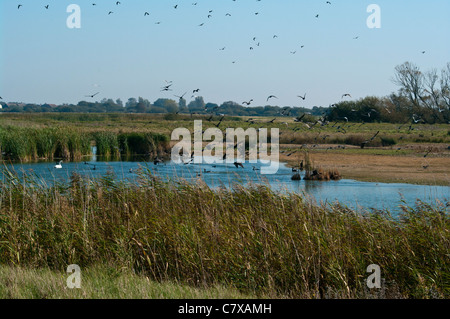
99	282
251	239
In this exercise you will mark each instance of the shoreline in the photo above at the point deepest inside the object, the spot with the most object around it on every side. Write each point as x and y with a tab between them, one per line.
407	169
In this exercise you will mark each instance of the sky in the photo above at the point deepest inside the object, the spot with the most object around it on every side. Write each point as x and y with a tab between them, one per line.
127	54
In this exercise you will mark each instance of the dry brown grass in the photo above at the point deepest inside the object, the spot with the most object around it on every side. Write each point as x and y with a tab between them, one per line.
432	170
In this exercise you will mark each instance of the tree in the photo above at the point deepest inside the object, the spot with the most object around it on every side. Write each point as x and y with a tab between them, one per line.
198	105
182	105
168	105
119	102
131	103
410	79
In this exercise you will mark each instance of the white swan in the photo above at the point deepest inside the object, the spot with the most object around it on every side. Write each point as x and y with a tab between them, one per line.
59	165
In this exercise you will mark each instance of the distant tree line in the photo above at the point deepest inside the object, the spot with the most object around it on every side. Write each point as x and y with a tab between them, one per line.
164	106
423	97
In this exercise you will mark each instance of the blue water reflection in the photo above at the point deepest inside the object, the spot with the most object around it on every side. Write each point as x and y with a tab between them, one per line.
354	194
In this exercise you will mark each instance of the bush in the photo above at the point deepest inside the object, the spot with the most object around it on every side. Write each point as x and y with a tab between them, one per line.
388	141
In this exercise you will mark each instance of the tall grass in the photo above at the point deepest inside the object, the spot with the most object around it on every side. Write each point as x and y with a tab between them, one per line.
28	144
249	238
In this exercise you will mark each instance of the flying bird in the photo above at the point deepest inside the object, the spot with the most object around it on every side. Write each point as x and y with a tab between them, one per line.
271	96
302	97
237	164
91	96
180	97
346	94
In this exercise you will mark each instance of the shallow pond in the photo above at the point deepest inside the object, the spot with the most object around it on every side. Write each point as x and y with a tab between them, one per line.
354	194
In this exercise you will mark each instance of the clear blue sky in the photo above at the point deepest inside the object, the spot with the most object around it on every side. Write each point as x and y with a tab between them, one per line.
126	54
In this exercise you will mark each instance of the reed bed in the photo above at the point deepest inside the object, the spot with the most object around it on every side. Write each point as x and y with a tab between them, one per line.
29	144
247	238
321	174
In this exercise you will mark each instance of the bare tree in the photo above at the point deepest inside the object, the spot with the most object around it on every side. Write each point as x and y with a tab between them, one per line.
445	86
431	79
410	79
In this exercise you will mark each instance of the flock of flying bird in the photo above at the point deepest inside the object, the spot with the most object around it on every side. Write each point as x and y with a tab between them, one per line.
322	121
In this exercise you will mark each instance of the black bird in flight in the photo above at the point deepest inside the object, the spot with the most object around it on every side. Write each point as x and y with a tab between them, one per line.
428	152
218	124
196	91
110	12
298	119
346	94
271	96
166	88
248	103
18	7
46	7
302	97
180	97
117	3
237	164
91	96
146	14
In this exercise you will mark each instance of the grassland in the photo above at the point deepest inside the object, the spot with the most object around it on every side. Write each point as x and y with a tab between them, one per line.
249	240
100	282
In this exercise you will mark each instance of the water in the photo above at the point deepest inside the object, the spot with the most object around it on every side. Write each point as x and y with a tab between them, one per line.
353	194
